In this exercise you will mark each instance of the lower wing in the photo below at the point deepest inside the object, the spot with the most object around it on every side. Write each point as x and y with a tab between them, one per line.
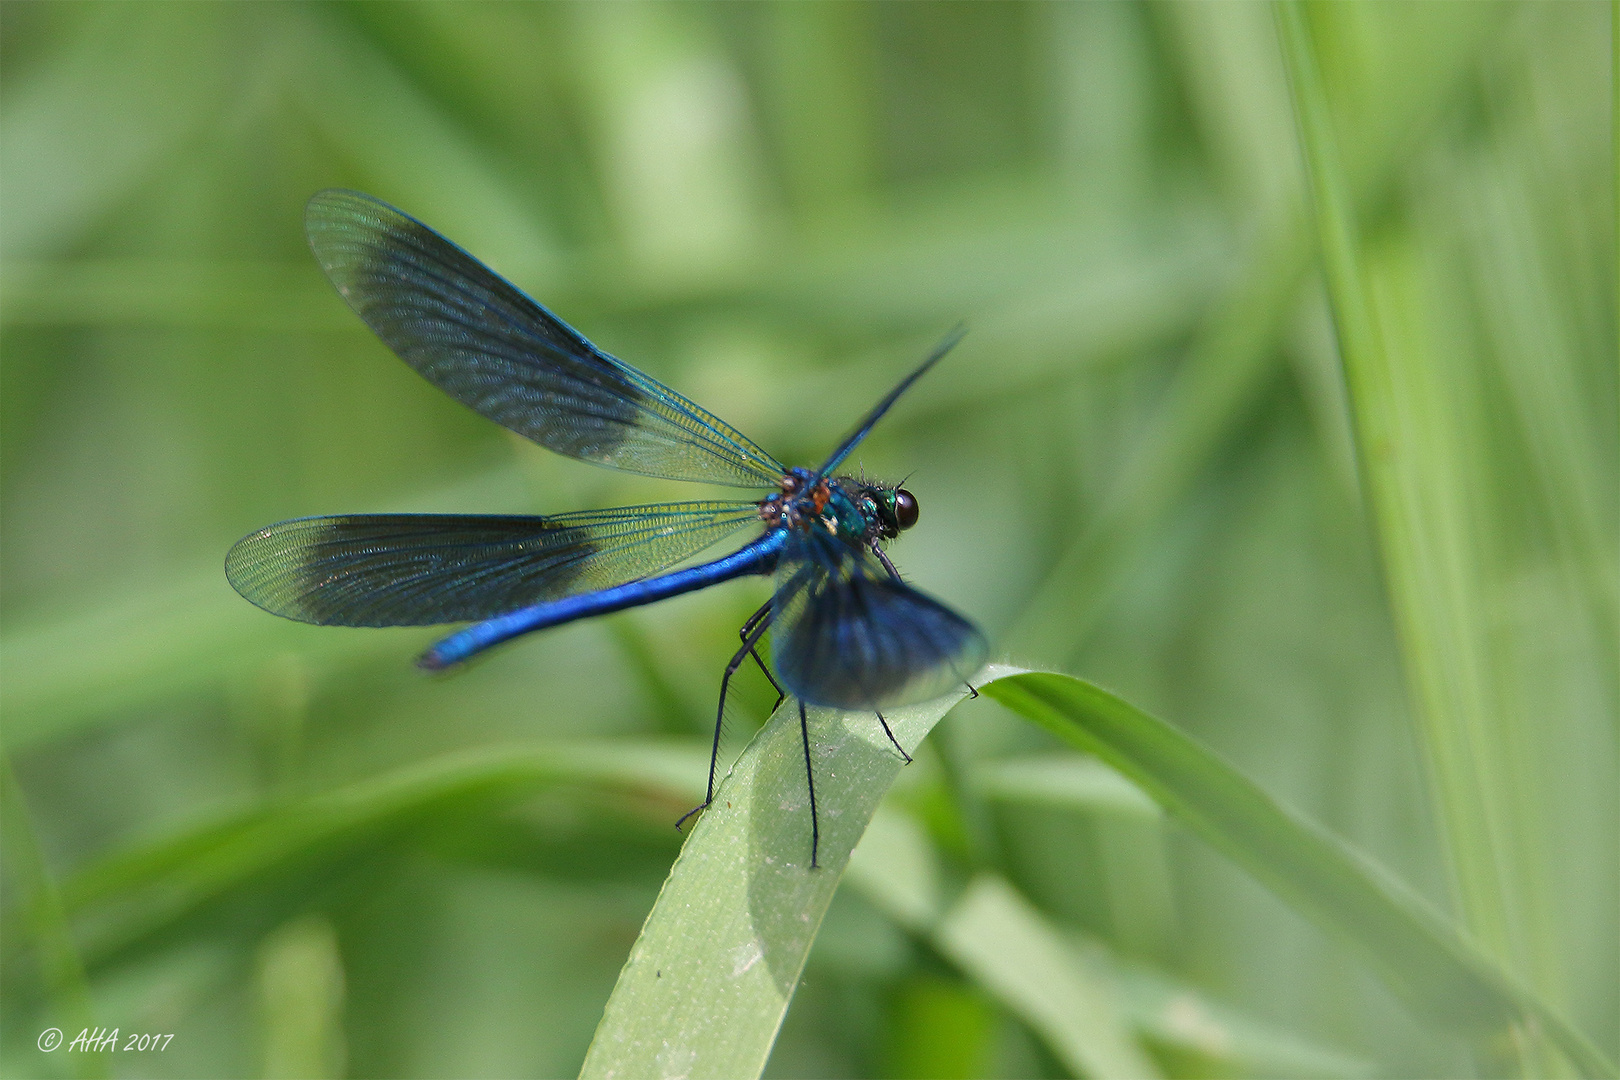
847	634
422	569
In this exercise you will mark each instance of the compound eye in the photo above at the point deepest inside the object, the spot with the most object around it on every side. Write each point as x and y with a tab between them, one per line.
905	508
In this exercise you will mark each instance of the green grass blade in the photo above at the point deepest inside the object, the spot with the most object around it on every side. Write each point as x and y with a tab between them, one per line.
1441	476
1004	943
56	955
709	980
1225	369
1226	366
299	972
1078	783
156	645
165	886
1419	953
1176	1015
895	868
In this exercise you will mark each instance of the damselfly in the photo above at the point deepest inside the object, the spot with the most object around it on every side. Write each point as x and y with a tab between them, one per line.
846	631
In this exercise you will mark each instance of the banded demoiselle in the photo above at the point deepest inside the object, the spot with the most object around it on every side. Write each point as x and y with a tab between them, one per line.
846	631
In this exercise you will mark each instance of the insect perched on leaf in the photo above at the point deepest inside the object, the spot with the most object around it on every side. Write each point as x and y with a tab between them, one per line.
847	632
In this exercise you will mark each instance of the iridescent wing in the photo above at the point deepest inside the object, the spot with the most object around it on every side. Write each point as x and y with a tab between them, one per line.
486	344
421	569
848	635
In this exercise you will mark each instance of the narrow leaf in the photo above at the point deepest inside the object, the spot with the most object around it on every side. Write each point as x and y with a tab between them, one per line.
1071	781
996	936
141	893
894	867
1172	1013
709	980
1417	950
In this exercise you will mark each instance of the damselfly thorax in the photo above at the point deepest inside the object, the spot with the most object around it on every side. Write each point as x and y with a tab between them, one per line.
855	511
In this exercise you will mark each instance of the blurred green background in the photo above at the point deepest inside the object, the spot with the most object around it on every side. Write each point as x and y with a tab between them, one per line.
1140	467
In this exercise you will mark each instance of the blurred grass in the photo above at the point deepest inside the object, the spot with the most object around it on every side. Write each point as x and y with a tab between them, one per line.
1424	435
1379	580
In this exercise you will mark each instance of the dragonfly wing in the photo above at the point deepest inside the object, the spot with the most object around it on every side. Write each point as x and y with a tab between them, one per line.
421	569
488	345
849	635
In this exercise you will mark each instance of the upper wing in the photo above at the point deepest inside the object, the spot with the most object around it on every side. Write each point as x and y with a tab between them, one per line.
864	428
420	569
849	635
482	341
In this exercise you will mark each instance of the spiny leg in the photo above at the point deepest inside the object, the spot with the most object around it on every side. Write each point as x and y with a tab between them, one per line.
753	620
748	628
781	695
761	622
810	778
892	739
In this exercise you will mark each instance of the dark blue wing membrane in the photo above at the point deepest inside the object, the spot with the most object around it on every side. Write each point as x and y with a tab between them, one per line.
849	635
421	569
482	341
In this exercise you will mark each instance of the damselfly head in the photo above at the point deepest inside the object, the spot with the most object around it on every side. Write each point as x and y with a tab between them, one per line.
890	509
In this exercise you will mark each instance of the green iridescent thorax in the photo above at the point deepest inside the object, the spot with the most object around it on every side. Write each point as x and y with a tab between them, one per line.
847	514
861	513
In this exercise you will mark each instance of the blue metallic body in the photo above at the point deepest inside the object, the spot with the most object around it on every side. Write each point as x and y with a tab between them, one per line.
759	557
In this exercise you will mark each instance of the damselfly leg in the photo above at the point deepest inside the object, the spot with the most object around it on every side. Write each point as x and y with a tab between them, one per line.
810	779
892	739
752	631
